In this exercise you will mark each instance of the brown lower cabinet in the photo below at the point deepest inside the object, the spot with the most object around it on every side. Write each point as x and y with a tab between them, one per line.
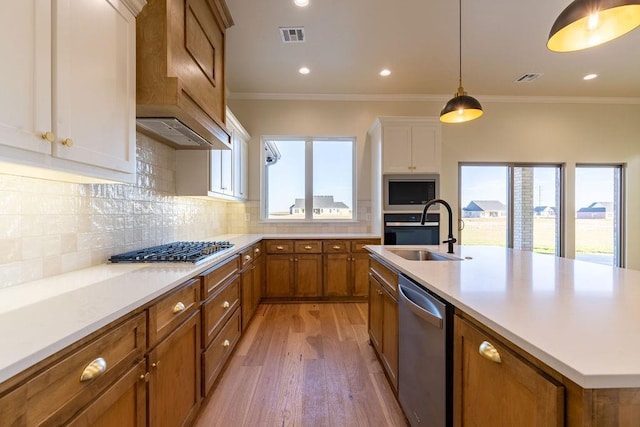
500	389
383	321
174	375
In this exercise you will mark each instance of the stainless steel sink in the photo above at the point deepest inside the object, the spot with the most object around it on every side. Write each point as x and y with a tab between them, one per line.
423	255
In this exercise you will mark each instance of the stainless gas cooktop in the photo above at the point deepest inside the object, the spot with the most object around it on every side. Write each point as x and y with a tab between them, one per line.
194	252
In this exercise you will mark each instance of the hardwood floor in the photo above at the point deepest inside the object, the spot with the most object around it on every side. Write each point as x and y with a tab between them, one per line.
304	365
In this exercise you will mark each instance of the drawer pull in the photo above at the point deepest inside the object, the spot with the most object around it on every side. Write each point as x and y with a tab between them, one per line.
336	247
226	343
280	248
308	247
155	364
256	250
226	305
488	351
144	377
94	369
178	307
247	257
67	142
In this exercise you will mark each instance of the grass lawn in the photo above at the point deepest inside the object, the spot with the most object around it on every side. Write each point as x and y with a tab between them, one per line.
592	235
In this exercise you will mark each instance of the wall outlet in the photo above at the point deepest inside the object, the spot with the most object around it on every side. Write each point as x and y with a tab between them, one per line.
247	217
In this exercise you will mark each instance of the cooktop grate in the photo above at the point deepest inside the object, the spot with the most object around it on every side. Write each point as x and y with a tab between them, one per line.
193	252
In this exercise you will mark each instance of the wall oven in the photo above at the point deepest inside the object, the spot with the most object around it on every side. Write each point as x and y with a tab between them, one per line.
405	229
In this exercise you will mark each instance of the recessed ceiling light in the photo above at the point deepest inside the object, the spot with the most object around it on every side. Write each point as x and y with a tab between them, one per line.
301	3
385	72
304	70
590	77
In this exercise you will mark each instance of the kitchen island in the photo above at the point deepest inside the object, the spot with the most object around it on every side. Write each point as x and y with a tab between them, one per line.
577	323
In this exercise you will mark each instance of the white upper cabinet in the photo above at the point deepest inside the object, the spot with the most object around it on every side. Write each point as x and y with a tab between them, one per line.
240	144
410	144
69	77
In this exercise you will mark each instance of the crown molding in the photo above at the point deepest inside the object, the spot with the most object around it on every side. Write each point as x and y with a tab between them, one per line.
264	96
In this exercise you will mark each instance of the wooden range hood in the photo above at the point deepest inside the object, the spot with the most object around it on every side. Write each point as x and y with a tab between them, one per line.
180	72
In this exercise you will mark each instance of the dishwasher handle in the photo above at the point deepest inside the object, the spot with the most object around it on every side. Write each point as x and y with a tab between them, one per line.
421	306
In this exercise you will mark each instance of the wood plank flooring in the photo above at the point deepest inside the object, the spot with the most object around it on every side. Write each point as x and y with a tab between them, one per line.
304	365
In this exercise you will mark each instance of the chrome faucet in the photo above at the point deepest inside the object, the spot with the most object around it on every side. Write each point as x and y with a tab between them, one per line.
450	239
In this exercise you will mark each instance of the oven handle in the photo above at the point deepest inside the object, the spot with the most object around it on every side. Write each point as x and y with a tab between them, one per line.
421	306
410	224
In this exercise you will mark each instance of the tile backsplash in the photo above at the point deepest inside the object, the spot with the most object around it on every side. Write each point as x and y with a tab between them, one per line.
50	227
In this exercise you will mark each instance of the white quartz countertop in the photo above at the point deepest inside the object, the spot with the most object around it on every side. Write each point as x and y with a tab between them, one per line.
39	318
581	319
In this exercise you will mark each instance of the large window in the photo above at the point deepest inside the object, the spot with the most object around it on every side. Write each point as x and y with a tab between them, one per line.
599	214
309	179
512	205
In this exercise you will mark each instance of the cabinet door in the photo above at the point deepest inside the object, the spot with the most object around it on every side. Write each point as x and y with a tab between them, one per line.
337	274
390	337
174	381
123	404
279	275
247	295
506	393
375	313
308	275
258	268
94	83
360	274
241	167
425	149
25	105
396	149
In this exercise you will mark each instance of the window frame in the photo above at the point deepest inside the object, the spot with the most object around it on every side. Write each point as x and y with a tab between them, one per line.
561	217
309	140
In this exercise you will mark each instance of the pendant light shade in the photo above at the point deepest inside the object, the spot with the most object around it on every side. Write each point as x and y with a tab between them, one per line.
588	23
462	107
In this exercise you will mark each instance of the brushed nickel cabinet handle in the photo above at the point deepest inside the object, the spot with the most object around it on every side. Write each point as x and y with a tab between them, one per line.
94	369
49	136
178	307
336	247
67	142
226	343
488	351
280	248
226	304
308	247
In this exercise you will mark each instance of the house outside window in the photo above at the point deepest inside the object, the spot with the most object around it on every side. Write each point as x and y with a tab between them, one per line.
308	179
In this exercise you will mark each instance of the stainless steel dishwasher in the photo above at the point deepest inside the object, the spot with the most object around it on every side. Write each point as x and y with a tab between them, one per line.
425	367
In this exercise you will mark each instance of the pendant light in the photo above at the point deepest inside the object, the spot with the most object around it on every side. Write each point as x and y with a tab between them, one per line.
462	107
588	23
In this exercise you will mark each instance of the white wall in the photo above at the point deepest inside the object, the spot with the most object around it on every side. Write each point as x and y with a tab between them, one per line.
537	131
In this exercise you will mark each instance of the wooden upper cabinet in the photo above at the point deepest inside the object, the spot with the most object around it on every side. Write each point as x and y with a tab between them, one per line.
180	60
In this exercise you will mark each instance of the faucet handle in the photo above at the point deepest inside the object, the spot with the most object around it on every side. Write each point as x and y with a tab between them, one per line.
450	240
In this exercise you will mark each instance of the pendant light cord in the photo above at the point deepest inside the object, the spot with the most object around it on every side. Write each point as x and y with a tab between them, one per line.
460	41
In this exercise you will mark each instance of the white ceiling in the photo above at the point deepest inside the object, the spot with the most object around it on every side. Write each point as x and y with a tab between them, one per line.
350	41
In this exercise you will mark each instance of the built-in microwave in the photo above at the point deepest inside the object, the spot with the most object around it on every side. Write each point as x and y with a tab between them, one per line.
409	192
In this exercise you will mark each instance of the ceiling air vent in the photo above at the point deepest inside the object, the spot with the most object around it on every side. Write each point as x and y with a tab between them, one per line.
292	34
528	77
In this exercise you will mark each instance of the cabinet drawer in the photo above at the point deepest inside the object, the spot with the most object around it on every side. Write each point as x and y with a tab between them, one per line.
217	310
54	395
215	356
166	314
217	275
335	246
279	246
358	245
246	256
385	275
308	246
